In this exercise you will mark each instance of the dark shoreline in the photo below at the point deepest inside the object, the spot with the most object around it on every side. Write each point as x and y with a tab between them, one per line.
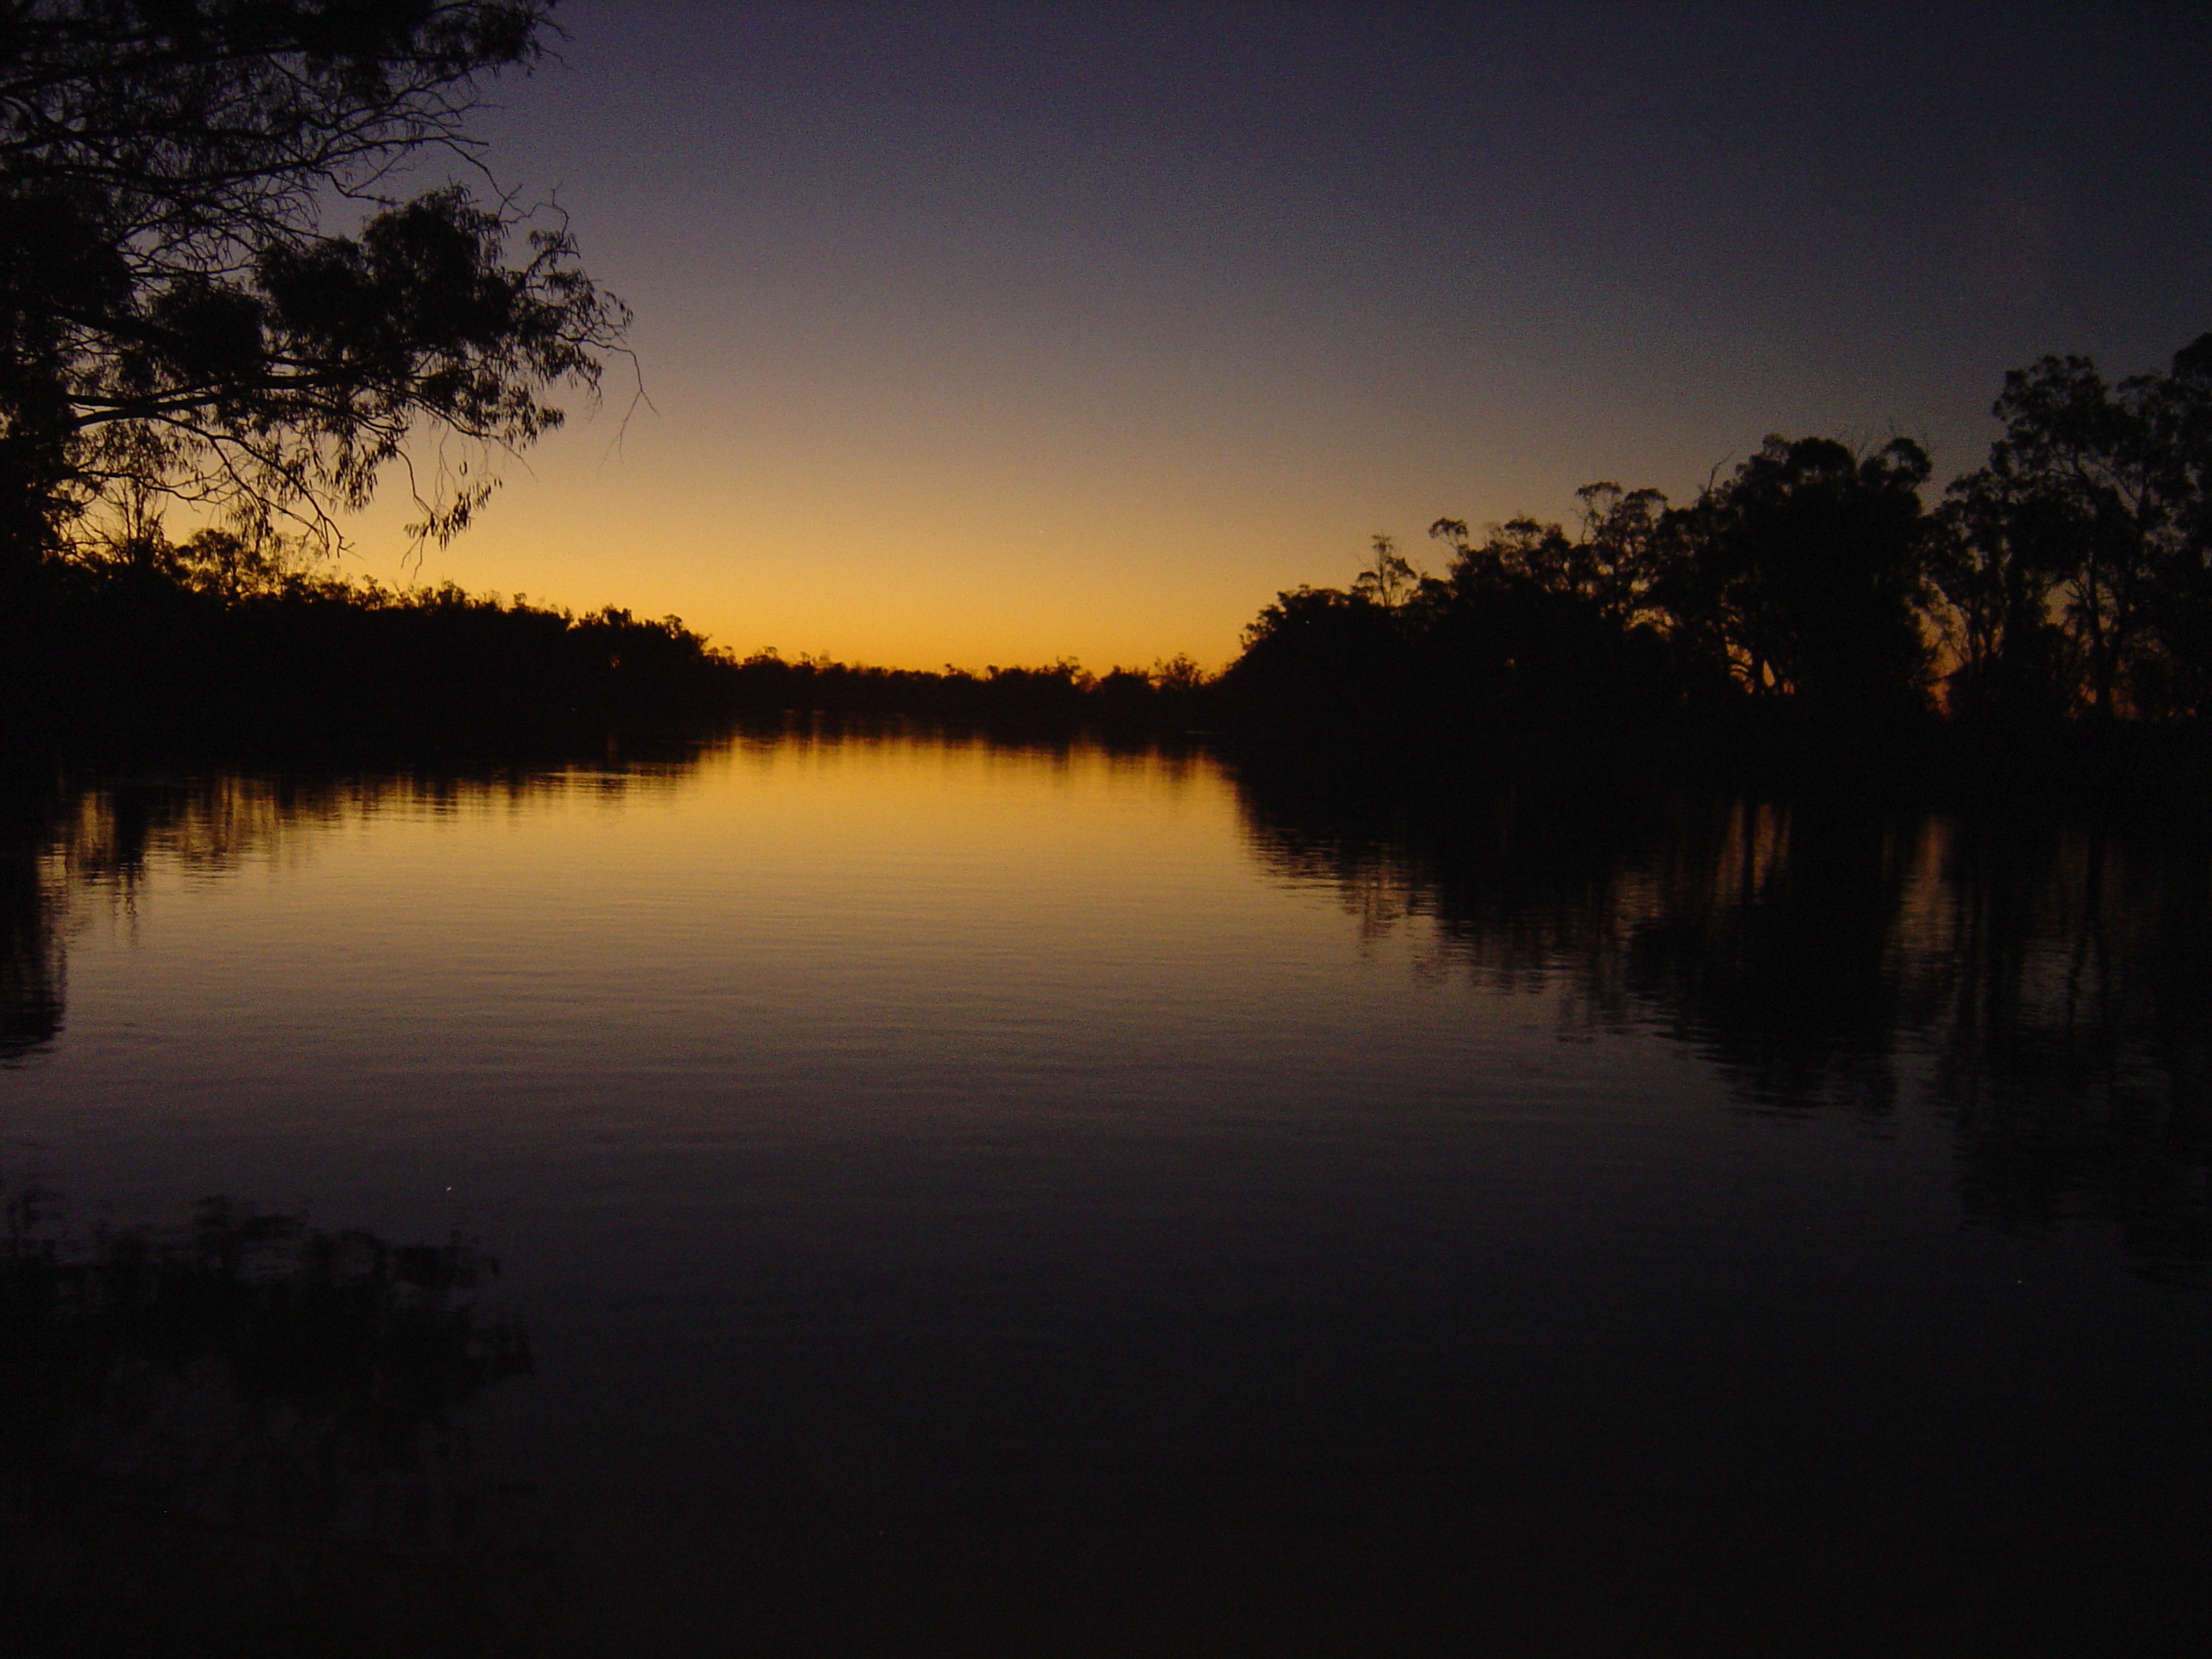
132	671
2141	777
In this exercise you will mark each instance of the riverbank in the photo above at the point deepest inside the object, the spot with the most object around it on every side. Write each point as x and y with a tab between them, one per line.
120	666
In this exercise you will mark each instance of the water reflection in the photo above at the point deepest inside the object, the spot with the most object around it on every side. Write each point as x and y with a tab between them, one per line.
63	844
30	947
243	1434
968	1205
2039	981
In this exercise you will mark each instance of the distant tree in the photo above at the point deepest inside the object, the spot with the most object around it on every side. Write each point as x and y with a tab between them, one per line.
1616	558
2181	681
1390	579
1997	560
1322	653
2071	573
1609	565
178	316
1544	628
1178	675
1522	548
2078	571
1805	572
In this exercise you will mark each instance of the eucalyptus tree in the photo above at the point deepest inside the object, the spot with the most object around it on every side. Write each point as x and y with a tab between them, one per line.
1806	572
2079	568
214	287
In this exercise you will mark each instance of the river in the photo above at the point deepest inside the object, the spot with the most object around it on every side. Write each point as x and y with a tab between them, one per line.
960	1196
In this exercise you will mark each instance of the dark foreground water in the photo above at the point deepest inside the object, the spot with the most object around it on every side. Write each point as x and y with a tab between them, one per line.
950	1199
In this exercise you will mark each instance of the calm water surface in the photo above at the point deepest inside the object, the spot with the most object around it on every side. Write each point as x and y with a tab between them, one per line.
957	1198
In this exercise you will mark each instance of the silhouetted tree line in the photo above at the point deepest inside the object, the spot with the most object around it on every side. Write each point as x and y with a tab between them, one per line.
2038	979
213	639
216	639
2068	579
182	321
2064	584
242	1436
1169	696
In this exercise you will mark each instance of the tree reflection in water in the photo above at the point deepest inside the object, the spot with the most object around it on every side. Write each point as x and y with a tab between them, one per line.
2038	980
61	843
30	949
242	1436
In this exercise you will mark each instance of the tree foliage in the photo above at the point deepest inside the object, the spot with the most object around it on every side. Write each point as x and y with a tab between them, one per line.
181	319
1803	572
2071	575
2078	562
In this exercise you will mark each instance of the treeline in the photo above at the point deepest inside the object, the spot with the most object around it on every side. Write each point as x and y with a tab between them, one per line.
211	640
144	641
1170	695
2064	586
1816	587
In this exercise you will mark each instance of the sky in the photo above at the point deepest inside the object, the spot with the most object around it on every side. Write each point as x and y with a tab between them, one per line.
987	334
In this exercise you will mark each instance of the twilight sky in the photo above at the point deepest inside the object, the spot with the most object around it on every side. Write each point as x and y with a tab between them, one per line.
1002	333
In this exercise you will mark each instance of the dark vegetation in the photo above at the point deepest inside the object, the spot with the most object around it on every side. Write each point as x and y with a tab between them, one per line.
210	296
2052	612
1170	696
179	320
149	653
1812	594
156	646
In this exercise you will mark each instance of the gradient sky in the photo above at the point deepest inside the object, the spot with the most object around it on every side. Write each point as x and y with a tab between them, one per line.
1003	333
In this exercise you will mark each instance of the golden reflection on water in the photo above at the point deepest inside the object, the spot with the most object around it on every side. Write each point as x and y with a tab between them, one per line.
847	895
1029	1155
1069	809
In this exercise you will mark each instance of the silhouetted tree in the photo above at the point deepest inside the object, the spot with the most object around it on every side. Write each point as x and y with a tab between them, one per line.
1804	574
1390	579
2180	681
1802	581
1610	565
2078	571
1996	560
1538	629
1322	654
176	317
